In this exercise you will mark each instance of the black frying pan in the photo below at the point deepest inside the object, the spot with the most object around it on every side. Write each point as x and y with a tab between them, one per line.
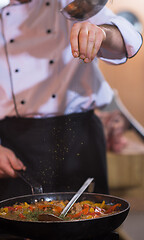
80	229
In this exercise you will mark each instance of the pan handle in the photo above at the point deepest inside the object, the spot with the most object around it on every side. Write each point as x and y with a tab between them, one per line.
36	188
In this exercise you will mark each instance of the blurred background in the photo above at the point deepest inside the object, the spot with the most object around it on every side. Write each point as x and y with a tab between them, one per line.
125	169
128	79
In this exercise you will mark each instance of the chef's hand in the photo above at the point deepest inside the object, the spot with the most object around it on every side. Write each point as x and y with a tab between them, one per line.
115	125
9	162
86	40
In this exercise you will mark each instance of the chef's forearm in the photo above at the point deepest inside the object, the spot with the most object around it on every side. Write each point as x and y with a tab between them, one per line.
114	41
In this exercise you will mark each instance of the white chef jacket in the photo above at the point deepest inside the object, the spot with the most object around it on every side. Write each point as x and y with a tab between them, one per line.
38	75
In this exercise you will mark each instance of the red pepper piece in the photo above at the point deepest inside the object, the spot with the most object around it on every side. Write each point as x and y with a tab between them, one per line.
112	208
22	216
77	215
86	209
31	208
17	208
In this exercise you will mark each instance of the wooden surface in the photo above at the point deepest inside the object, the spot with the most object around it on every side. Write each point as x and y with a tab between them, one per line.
126	169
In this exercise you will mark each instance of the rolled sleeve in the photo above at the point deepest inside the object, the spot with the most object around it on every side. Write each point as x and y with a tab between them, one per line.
133	40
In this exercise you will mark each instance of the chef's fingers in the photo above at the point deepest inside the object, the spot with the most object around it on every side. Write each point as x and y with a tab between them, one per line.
14	161
74	39
100	36
9	162
86	40
6	168
83	41
90	44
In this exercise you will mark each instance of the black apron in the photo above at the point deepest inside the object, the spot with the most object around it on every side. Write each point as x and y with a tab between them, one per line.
61	152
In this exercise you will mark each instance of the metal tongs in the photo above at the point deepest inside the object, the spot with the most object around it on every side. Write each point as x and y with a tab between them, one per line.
52	218
80	10
37	189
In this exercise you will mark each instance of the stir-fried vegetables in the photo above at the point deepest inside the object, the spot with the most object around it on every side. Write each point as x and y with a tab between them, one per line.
80	210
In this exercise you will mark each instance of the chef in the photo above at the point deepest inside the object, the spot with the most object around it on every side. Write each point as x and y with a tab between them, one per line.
50	84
